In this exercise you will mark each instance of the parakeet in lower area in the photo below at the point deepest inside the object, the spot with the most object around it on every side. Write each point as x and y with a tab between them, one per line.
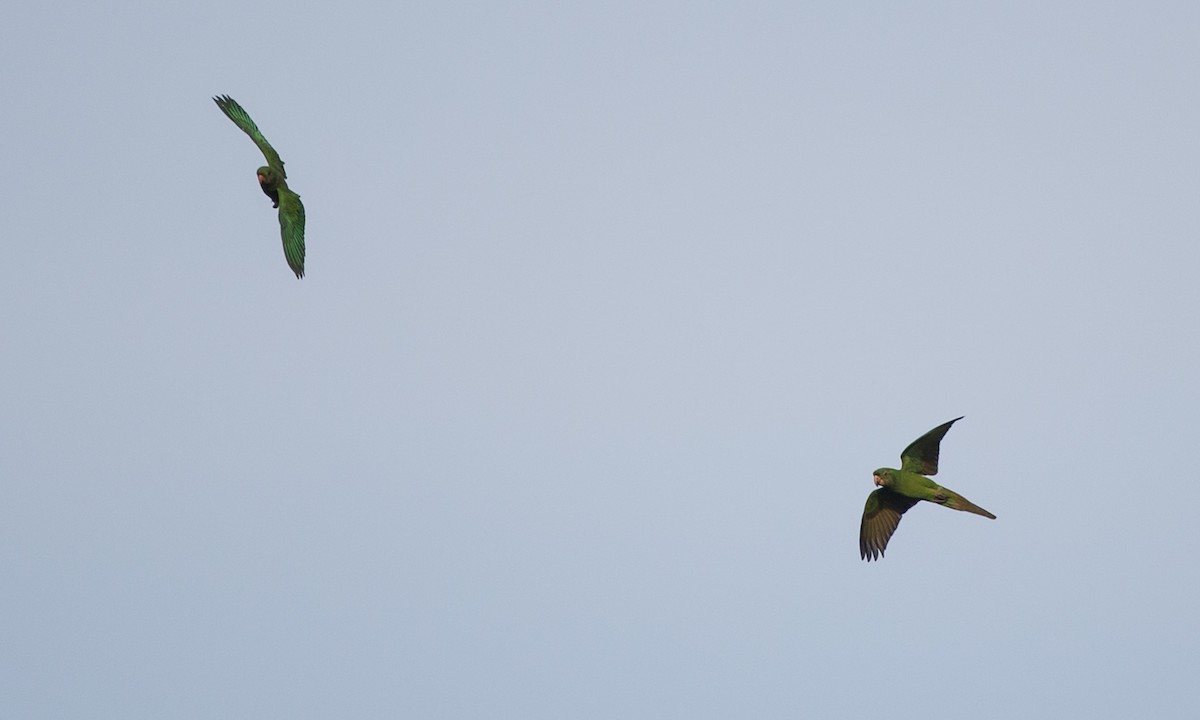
273	181
900	489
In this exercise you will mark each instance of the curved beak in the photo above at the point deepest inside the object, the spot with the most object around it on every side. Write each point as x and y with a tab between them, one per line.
878	480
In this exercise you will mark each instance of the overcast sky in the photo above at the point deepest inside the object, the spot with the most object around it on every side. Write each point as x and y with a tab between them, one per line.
610	311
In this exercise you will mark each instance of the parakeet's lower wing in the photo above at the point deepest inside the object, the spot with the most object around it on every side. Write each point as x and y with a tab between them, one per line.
241	118
921	456
880	518
291	226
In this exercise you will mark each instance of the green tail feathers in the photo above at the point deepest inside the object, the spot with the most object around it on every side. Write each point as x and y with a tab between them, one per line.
958	502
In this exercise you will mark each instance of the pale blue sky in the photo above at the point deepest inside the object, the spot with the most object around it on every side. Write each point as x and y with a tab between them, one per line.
610	313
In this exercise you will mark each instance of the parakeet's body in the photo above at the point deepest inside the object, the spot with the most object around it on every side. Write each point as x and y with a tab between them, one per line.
900	489
273	180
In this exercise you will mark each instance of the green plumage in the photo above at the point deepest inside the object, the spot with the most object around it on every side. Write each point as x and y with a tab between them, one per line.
272	178
900	489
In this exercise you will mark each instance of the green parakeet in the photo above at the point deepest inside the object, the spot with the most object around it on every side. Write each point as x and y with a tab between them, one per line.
901	489
273	180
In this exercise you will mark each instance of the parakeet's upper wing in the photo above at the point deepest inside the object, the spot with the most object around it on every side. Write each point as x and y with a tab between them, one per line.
922	455
880	518
291	226
240	118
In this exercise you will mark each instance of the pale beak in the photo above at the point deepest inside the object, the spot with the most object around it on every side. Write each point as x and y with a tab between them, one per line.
878	480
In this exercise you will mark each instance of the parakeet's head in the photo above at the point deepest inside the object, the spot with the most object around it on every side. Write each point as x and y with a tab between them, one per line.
267	177
884	476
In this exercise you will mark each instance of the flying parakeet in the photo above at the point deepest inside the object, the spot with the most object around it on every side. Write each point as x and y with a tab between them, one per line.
273	181
901	489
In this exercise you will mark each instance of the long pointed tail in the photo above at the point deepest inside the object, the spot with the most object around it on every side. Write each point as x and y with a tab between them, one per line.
958	502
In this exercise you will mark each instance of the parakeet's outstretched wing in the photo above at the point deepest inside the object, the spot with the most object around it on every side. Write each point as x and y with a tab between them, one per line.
922	455
240	118
291	226
880	518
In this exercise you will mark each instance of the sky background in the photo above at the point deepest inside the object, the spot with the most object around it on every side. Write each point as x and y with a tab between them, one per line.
610	311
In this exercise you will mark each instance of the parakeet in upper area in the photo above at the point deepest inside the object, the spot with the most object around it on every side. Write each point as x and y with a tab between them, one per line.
273	181
900	489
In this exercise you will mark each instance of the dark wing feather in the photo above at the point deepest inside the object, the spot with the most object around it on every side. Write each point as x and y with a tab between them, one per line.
922	455
291	227
880	519
241	118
